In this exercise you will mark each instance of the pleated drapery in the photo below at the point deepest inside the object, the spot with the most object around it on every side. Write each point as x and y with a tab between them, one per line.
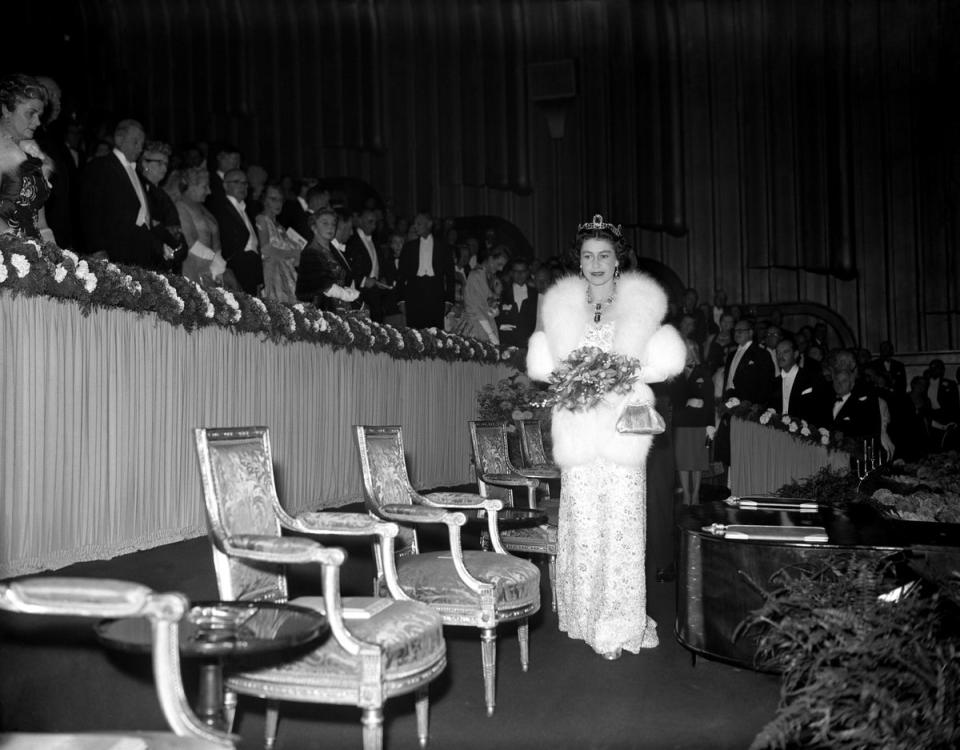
763	459
96	451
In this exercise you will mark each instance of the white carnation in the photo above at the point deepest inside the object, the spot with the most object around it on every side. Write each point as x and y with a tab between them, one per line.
732	402
72	256
765	418
82	269
793	427
805	431
90	283
59	273
825	439
3	272
20	264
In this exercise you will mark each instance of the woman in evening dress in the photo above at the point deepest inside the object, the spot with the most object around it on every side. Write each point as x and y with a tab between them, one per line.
280	253
601	579
24	169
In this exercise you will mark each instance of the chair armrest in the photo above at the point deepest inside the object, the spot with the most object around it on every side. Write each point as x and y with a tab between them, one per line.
348	524
514	479
460	500
282	550
84	597
421	514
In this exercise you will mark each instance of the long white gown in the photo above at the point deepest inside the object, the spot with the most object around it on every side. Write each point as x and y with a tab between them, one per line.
601	577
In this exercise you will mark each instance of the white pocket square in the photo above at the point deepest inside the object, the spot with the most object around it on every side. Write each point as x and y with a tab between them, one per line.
805	391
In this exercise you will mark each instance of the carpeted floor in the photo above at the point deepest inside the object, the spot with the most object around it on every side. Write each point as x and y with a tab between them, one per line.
53	676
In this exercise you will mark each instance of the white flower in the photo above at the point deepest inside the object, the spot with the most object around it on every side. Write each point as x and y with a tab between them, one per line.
230	300
300	307
505	355
82	269
824	432
258	303
3	272
20	264
805	431
793	427
90	283
785	419
765	418
732	402
825	439
771	411
72	256
59	273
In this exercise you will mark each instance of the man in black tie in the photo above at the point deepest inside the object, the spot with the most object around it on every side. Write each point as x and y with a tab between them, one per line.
238	239
425	277
116	216
893	367
517	316
852	410
749	370
795	391
365	264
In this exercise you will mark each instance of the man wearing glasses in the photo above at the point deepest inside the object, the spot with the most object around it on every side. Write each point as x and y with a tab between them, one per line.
238	239
749	373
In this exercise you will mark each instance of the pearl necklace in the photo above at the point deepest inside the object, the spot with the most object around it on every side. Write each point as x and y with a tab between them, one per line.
599	307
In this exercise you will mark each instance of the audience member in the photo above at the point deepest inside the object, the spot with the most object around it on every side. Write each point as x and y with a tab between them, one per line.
426	280
851	409
238	238
164	219
771	338
693	417
894	368
116	216
296	212
323	276
279	252
795	390
517	318
479	318
365	264
718	309
227	159
204	262
691	307
256	188
60	209
749	370
944	402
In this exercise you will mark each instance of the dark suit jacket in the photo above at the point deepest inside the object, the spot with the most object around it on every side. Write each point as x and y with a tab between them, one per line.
524	317
896	371
753	379
947	397
425	296
293	215
165	223
858	418
61	207
804	396
246	266
110	208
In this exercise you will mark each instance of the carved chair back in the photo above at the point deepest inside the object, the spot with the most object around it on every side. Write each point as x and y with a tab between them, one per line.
531	442
385	480
236	469
491	455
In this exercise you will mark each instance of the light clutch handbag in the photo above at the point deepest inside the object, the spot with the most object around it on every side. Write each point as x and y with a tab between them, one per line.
640	419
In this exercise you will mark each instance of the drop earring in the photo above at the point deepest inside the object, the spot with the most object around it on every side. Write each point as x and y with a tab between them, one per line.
616	272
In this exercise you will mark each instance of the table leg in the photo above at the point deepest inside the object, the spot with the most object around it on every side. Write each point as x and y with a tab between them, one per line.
210	700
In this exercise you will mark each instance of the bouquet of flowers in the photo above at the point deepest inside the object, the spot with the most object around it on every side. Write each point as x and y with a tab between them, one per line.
587	376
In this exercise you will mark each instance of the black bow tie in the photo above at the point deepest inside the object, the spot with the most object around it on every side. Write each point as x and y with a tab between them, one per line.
838	399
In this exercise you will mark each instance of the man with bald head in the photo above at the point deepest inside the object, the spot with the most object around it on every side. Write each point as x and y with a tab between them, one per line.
238	238
425	279
116	216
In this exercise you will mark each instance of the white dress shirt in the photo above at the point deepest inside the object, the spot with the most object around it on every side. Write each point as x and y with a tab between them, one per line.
242	210
143	216
838	404
738	355
520	293
788	377
367	241
933	390
425	267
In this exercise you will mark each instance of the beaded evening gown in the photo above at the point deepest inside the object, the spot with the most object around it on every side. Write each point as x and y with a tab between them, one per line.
22	194
280	258
601	578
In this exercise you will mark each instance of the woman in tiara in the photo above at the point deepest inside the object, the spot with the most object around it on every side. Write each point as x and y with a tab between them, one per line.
601	580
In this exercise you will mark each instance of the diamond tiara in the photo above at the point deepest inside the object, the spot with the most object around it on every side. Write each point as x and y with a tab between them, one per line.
598	224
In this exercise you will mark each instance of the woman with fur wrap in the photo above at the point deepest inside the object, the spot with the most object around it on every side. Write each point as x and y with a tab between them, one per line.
601	580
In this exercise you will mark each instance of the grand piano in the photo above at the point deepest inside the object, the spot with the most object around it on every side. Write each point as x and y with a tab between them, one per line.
727	548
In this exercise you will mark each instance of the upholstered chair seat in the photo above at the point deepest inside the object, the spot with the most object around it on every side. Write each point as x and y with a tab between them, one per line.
379	647
473	588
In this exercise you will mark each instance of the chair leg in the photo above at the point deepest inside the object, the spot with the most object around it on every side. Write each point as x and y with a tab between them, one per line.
372	728
423	715
270	725
229	709
552	568
523	635
488	649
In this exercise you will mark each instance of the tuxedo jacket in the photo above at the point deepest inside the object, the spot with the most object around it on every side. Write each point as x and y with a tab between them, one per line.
897	372
858	418
754	377
522	317
110	207
294	216
804	396
442	268
165	224
246	266
361	265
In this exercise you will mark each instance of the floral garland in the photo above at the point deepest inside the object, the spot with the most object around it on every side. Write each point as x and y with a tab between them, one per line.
800	429
38	269
587	376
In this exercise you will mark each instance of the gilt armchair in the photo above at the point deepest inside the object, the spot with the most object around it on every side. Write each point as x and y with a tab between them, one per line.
498	478
100	598
535	461
380	648
467	587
